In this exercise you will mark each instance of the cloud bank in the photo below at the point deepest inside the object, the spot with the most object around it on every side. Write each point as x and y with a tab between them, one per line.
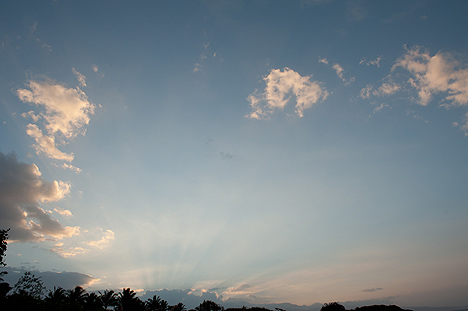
280	87
67	280
22	190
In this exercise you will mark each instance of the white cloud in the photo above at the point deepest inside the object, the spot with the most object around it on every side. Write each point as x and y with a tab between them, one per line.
197	67
70	167
22	189
366	92
80	77
106	238
30	114
339	71
46	144
323	61
63	212
280	86
440	73
95	68
388	88
375	62
69	252
66	112
378	109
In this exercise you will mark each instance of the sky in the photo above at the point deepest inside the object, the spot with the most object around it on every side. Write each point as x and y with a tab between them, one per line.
239	151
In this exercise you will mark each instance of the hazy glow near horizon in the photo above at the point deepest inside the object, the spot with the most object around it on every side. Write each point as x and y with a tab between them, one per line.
243	151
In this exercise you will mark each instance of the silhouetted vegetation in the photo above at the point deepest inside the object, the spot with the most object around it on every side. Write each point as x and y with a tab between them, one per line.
30	294
332	306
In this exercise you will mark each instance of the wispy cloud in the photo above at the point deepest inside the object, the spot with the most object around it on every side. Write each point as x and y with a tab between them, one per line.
323	61
63	212
280	87
64	113
106	238
80	77
204	56
375	62
338	70
356	10
369	290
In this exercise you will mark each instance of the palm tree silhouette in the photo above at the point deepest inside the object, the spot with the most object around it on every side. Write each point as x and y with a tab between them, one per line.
128	301
77	295
156	304
108	298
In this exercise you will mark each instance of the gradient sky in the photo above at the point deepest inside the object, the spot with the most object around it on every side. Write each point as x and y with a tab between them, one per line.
266	151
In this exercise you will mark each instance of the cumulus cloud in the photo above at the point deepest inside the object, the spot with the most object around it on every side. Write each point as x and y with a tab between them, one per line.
80	77
280	87
441	73
64	113
22	190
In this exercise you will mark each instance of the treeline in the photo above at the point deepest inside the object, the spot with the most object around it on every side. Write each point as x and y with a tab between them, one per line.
29	294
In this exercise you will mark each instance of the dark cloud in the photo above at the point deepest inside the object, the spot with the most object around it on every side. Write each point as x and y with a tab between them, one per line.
67	280
372	289
22	189
226	156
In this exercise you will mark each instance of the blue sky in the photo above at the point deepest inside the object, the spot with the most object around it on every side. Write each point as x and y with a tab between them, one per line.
255	151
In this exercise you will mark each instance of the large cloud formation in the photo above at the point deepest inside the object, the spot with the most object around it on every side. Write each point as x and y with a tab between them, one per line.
428	75
440	73
65	113
280	86
22	190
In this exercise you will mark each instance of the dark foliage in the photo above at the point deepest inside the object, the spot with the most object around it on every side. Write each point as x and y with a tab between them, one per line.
333	306
208	305
380	308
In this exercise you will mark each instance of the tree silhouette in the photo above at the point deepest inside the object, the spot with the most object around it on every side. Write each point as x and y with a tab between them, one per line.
92	302
108	299
3	248
58	294
332	306
30	285
128	300
208	305
156	304
178	307
77	295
